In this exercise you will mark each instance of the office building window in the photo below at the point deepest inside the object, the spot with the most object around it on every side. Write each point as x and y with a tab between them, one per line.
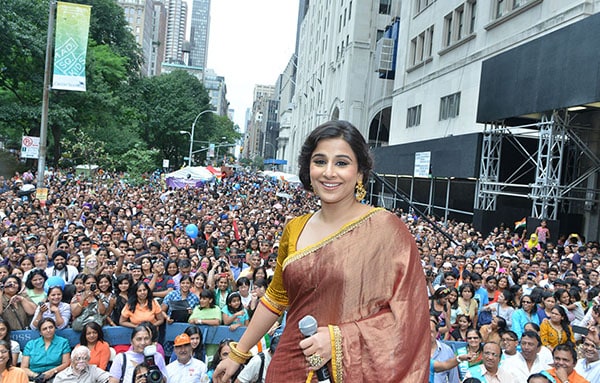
449	106
421	47
504	7
413	116
385	7
459	23
422	4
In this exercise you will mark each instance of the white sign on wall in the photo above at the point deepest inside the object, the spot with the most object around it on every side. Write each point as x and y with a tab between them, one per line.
422	164
30	147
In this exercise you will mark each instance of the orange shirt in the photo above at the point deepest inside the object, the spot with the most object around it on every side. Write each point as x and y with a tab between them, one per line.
142	313
574	377
100	354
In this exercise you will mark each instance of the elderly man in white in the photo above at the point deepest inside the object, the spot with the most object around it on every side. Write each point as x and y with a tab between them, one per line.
186	368
80	371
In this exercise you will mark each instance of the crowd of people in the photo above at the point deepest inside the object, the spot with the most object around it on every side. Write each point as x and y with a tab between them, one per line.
102	253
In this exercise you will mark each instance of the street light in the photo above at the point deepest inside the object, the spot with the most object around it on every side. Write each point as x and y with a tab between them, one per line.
192	133
274	149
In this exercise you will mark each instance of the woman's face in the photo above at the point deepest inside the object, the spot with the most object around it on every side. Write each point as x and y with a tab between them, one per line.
205	302
11	287
124	285
48	330
18	272
88	283
452	297
79	286
91	335
55	296
473	339
37	281
565	298
140	340
260	273
549	302
260	291
222	284
210	252
224	352
243	289
185	285
199	281
73	261
466	293
194	340
172	269
3	331
463	323
91	263
4	355
26	264
104	285
555	316
236	302
3	272
142	293
502	283
146	264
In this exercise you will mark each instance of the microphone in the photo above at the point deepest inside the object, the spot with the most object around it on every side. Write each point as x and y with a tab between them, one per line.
308	327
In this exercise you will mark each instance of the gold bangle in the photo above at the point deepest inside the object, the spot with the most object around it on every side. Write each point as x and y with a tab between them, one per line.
238	356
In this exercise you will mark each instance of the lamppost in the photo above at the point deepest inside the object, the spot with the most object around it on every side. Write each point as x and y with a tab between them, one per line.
274	149
192	133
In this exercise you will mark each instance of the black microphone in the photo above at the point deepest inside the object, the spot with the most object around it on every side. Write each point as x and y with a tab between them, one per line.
308	327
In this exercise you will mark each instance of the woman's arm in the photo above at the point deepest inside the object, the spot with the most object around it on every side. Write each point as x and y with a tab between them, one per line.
66	361
25	367
261	322
228	319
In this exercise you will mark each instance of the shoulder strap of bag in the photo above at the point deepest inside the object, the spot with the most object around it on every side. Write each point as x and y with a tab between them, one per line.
262	366
123	367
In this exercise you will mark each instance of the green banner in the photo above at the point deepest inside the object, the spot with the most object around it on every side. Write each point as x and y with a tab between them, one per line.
70	47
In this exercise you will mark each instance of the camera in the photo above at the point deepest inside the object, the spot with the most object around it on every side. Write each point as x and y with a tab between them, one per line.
153	375
111	263
93	287
223	265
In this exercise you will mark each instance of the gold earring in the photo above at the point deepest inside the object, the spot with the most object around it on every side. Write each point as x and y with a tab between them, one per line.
359	191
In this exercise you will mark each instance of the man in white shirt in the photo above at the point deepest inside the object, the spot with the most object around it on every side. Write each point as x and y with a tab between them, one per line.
185	368
490	371
589	365
527	361
60	268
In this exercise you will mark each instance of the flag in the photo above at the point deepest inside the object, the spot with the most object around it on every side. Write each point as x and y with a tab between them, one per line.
70	47
521	223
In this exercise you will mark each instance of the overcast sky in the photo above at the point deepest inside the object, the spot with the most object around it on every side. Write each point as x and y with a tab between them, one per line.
250	43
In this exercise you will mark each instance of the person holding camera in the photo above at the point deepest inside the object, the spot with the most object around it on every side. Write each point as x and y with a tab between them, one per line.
80	370
88	301
53	308
186	368
122	369
17	307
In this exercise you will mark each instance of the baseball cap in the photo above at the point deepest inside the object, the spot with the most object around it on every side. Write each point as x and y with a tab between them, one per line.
182	340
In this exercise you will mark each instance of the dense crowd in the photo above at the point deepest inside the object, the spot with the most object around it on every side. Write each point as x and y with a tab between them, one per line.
103	253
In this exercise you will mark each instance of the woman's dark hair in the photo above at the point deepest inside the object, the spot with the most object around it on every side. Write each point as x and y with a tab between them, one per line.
465	286
169	262
509	297
335	129
537	375
94	326
200	273
454	304
230	299
120	279
89	276
501	322
8	330
198	352
471	380
564	322
132	299
32	274
138	368
140	328
79	276
242	281
575	293
7	345
44	320
152	328
261	282
186	278
108	278
535	326
558	293
208	293
264	269
55	287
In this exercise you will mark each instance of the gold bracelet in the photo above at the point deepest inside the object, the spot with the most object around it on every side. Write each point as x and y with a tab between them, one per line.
238	356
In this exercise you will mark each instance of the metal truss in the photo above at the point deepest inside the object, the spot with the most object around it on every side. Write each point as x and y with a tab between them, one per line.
546	189
488	186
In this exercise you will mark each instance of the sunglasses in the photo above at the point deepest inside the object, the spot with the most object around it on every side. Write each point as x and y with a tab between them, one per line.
225	341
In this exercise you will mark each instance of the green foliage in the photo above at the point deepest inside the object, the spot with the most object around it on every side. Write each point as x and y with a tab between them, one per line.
139	160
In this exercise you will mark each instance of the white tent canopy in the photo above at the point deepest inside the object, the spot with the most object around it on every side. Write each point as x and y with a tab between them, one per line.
291	178
189	176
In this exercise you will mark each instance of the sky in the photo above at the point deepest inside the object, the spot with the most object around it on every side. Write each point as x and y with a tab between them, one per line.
250	42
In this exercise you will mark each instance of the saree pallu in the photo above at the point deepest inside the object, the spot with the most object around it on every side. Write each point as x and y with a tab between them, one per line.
367	281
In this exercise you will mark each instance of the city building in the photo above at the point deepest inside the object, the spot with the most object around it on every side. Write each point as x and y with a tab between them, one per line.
262	128
175	33
476	110
200	26
140	17
159	27
217	91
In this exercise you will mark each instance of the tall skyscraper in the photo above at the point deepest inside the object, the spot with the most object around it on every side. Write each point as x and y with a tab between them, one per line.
175	36
199	33
139	17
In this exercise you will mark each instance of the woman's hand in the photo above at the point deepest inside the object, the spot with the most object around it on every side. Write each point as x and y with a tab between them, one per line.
225	371
319	344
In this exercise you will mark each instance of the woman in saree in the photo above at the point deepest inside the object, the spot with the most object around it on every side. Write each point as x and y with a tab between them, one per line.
320	272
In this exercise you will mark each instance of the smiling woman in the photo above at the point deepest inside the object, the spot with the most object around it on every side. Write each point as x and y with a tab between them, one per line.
320	272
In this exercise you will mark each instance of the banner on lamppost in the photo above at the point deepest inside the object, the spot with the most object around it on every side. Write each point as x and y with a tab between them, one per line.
211	150
70	48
